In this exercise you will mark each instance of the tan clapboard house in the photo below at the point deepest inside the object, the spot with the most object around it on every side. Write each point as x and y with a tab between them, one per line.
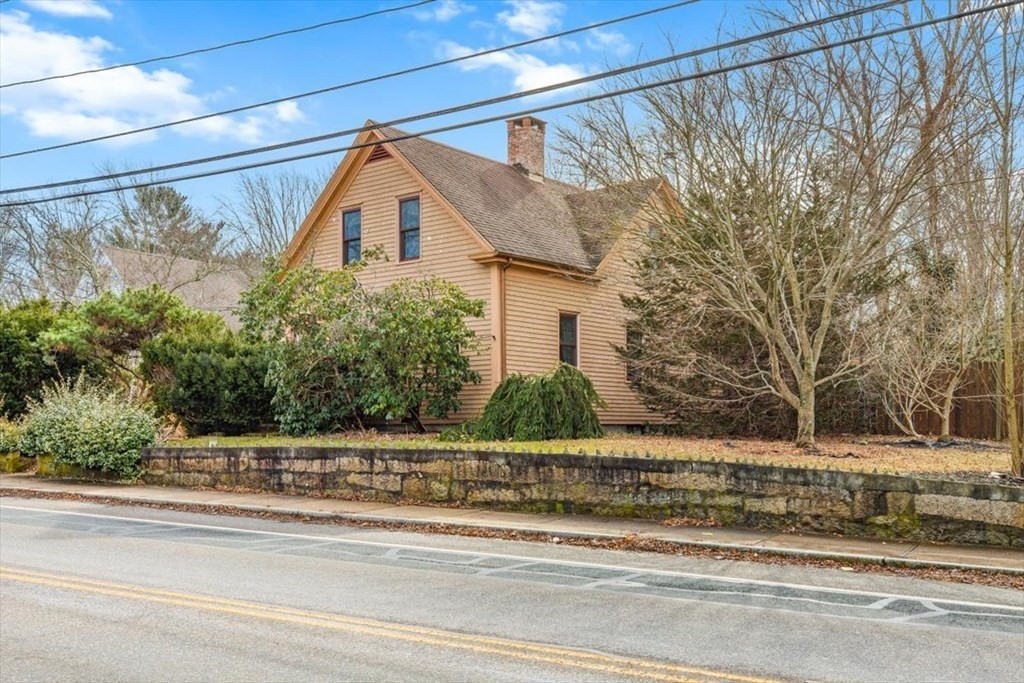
550	260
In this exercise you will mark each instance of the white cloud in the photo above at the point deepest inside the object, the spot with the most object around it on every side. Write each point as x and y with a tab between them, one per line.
528	71
71	8
288	112
444	10
612	41
110	101
531	18
46	123
250	129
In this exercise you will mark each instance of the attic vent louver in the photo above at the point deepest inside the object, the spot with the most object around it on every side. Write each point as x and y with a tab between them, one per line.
378	153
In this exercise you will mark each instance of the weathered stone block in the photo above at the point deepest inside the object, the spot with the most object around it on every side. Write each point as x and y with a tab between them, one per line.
899	503
868	504
352	464
958	507
769	506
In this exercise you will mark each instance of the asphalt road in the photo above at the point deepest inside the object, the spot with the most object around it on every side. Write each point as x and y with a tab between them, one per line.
89	592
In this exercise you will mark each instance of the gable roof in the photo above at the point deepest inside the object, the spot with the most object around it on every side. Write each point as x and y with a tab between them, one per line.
550	221
204	285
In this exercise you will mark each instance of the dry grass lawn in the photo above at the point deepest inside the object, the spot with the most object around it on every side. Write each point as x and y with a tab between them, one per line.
874	453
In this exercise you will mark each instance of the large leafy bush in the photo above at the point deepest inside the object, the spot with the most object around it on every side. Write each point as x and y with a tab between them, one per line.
88	425
557	405
342	353
210	383
27	361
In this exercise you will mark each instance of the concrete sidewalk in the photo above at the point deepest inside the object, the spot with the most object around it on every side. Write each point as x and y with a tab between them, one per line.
575	526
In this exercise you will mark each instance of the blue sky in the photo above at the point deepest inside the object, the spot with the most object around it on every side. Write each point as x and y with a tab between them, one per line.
45	37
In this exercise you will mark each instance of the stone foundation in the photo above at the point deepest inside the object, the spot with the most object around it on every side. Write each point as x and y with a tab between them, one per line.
887	506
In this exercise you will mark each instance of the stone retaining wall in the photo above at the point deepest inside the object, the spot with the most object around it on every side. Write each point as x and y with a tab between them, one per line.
882	505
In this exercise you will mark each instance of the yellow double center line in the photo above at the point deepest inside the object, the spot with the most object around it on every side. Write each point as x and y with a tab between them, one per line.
502	647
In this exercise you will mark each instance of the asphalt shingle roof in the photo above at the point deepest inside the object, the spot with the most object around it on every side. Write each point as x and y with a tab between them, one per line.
550	221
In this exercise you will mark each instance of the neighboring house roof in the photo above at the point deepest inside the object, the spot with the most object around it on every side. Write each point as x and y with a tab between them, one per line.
548	221
208	286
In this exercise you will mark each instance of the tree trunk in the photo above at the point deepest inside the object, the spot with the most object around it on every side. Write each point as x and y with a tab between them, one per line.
805	416
946	413
1009	375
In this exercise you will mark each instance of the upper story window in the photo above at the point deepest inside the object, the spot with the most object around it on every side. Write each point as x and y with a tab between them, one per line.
409	229
568	339
352	236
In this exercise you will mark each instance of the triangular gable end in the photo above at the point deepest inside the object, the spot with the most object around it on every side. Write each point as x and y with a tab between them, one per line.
663	191
343	177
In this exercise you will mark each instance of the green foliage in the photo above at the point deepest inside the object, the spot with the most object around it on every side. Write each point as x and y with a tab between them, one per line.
459	433
341	353
557	405
113	327
86	424
212	383
9	433
27	362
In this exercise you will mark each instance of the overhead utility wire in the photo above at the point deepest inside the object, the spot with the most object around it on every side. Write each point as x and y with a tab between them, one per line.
558	105
350	84
223	46
455	109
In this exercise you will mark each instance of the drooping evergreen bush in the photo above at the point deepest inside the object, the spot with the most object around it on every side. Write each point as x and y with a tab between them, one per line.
211	384
88	425
557	405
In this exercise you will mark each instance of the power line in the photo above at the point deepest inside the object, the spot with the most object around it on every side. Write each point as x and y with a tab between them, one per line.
350	84
462	107
214	48
559	105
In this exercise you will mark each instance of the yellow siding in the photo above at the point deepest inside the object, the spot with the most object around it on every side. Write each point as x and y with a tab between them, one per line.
445	246
534	300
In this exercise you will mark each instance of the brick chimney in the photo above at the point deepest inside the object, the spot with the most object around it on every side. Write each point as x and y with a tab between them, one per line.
526	146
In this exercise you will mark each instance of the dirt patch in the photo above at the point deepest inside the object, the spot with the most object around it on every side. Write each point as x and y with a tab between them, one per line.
629	543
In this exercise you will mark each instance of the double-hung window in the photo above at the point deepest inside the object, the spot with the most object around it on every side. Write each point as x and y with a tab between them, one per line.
409	229
568	339
352	236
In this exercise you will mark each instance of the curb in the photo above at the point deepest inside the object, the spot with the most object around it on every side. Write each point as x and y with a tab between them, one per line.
383	520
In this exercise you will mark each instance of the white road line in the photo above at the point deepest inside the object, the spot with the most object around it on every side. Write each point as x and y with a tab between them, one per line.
522	558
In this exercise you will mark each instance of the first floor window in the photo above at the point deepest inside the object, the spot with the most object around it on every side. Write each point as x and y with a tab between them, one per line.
409	229
352	236
568	339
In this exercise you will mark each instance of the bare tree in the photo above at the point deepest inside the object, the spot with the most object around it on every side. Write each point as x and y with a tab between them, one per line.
794	183
1000	44
267	209
50	248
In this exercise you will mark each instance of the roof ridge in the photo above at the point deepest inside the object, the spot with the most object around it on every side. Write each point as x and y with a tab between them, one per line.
465	151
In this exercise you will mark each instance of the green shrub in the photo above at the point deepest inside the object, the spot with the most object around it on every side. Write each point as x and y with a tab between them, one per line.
459	433
111	329
558	405
27	361
8	437
213	385
87	425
